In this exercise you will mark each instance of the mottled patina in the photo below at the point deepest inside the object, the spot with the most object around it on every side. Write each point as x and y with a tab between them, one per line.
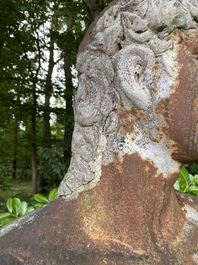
136	116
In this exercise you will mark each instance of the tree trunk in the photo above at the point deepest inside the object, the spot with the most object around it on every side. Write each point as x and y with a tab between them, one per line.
48	85
68	91
35	69
117	204
96	7
46	141
33	147
14	166
14	161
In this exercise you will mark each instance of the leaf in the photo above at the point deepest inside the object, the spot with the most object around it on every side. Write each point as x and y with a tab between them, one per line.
23	8
176	185
4	216
184	175
191	177
16	206
193	168
7	220
192	189
24	208
40	198
9	205
39	204
195	180
30	209
53	194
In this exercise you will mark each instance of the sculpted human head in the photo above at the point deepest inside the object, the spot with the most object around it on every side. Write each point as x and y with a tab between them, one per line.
137	90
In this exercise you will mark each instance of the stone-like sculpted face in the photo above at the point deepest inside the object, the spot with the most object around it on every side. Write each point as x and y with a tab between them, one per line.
137	90
135	122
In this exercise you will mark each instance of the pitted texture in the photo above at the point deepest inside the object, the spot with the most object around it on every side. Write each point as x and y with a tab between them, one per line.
136	116
126	63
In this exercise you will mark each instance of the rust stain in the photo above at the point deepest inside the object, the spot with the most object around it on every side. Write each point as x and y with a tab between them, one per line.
180	110
156	67
183	118
97	50
133	215
118	214
161	108
129	216
85	42
156	74
190	41
128	118
125	212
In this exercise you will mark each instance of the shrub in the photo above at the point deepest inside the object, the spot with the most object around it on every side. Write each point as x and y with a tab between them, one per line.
17	208
187	182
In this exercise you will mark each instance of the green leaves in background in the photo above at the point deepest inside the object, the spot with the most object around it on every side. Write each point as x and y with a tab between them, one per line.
187	182
42	200
17	208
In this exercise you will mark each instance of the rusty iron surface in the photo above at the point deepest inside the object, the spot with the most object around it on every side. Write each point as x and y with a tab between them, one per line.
131	215
56	237
118	222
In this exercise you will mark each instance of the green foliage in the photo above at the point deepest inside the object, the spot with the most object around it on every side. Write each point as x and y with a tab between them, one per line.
187	182
53	167
3	186
42	200
29	30
17	208
192	168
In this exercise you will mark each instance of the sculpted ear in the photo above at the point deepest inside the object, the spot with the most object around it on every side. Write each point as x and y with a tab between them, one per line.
133	63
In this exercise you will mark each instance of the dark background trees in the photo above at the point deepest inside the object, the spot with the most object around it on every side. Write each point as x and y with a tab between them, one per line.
38	46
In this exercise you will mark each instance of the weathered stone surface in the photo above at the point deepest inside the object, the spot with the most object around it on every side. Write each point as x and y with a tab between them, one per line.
136	116
131	61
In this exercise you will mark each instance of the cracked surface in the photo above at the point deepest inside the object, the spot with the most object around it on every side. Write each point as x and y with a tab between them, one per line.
136	116
128	67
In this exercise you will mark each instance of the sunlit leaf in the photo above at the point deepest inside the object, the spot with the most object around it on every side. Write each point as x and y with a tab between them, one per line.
184	175
39	204
16	206
24	208
7	220
176	185
4	216
192	189
40	198
195	180
30	209
53	194
9	205
191	177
